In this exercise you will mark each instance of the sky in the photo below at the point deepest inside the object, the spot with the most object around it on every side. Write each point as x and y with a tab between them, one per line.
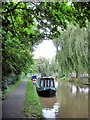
45	49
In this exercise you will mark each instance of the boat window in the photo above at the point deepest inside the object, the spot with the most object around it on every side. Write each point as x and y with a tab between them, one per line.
46	83
52	83
41	83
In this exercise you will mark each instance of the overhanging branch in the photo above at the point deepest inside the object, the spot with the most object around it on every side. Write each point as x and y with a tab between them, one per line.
8	11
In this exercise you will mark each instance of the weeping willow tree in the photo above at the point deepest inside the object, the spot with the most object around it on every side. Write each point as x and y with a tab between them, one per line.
72	50
45	67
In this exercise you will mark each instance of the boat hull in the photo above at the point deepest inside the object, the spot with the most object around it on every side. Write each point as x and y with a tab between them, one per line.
47	92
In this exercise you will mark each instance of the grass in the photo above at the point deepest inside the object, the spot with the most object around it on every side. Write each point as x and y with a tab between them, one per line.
32	106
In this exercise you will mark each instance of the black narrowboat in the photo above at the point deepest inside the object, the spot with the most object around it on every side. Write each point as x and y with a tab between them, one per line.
46	87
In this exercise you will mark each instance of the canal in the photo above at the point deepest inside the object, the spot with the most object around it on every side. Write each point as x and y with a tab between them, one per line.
71	101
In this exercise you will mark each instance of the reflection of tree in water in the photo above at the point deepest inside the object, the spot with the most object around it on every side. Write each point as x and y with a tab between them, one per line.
73	102
83	90
76	89
51	112
50	107
48	102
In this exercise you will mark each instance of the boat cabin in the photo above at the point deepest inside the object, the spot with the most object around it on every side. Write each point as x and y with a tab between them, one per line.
46	87
47	82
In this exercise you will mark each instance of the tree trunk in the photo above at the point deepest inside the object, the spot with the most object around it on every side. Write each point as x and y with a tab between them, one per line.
76	73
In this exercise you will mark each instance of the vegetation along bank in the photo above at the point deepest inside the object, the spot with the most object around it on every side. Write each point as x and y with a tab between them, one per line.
32	106
8	88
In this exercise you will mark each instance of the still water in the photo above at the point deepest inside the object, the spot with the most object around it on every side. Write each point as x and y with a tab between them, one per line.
71	101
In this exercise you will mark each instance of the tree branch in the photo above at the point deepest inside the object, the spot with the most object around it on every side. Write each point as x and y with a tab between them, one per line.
8	11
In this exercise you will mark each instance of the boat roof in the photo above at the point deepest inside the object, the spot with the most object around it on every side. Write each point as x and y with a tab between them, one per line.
47	78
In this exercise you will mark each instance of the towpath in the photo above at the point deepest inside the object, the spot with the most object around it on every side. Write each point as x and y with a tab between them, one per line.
12	106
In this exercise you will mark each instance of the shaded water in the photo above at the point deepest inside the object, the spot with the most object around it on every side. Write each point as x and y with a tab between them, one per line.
71	101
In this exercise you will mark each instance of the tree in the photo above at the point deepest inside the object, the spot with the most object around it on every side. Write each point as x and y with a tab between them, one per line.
42	66
73	52
25	24
16	43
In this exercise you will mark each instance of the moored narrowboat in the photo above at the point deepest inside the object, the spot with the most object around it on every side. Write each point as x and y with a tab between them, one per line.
46	87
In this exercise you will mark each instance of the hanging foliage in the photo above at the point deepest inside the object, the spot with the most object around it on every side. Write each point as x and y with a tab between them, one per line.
73	53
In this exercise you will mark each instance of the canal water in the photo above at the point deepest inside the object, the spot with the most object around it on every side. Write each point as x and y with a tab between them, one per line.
71	101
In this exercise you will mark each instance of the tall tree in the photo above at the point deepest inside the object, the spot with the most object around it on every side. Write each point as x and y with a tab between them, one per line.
25	24
73	52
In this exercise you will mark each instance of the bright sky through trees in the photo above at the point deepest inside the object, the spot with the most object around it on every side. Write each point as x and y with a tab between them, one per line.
45	49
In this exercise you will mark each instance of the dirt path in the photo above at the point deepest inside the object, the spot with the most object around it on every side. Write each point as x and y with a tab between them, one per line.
12	106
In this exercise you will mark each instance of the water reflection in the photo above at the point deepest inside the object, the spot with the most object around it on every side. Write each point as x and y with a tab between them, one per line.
50	112
74	90
81	90
50	107
74	103
84	90
71	101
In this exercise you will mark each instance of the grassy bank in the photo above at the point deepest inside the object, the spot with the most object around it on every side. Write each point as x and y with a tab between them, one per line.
75	80
78	81
12	87
32	106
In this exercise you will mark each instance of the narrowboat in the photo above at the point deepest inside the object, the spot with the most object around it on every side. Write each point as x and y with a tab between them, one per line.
46	87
